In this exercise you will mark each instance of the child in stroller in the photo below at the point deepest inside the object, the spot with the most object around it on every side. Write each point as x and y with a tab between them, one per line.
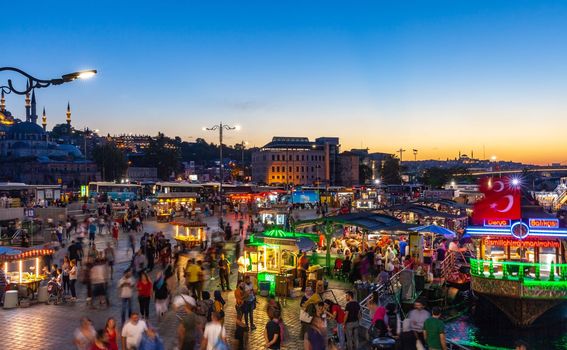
54	291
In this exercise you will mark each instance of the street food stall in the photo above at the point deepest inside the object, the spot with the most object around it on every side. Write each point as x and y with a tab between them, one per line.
189	233
270	259
23	268
274	217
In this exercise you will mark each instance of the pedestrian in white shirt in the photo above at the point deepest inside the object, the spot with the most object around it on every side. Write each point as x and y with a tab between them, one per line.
132	332
214	331
126	286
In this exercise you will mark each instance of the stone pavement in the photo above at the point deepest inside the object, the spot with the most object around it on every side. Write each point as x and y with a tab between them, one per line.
43	326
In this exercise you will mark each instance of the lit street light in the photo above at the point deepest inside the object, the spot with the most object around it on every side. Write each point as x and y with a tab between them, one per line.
221	127
34	83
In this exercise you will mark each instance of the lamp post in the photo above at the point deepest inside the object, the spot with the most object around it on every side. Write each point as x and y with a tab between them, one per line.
34	83
221	127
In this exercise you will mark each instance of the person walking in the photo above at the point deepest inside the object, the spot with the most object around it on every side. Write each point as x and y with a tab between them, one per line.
240	333
224	272
66	268
161	295
132	332
187	331
92	232
144	287
151	340
73	275
109	256
434	331
352	311
192	273
316	336
84	335
214	333
272	332
339	315
126	286
303	266
417	317
111	334
249	303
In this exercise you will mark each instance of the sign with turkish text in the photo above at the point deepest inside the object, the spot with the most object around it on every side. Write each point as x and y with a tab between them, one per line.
496	223
544	223
503	242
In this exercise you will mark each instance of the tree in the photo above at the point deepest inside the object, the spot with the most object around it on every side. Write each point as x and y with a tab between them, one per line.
364	173
110	161
437	177
163	154
391	171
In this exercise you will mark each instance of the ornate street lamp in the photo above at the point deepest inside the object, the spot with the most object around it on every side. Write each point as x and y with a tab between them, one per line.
221	127
34	83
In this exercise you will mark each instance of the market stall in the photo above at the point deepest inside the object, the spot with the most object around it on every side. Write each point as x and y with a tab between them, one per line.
23	268
189	233
270	259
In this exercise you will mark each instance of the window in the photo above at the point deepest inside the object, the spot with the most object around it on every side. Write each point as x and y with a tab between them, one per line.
290	157
278	157
297	177
290	169
297	157
273	169
302	157
312	169
278	169
302	169
273	157
273	177
296	169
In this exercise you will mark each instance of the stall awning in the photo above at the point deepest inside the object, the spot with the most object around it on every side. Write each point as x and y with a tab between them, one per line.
8	254
421	210
438	230
364	220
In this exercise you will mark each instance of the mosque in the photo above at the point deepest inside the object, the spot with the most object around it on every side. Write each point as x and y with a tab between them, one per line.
29	155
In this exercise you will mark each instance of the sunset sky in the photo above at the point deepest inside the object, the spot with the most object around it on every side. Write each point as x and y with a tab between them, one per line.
438	76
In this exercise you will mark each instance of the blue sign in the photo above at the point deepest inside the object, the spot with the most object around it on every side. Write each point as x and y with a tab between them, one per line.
303	197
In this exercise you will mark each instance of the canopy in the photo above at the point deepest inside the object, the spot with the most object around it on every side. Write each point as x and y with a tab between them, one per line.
435	229
305	244
8	254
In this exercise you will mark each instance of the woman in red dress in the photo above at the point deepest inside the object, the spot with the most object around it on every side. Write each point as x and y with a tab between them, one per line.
111	334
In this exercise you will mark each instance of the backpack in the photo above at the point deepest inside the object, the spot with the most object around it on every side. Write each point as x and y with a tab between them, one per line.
221	344
284	333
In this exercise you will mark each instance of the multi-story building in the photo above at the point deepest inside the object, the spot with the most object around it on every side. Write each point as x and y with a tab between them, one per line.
292	161
131	143
374	161
349	169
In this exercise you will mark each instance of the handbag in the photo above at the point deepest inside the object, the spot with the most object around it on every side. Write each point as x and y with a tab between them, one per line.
304	316
221	344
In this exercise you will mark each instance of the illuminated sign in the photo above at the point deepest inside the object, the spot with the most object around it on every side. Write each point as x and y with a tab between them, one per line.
496	223
84	191
520	230
544	223
503	242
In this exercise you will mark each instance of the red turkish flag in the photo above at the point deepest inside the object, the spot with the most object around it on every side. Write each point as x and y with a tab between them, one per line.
501	201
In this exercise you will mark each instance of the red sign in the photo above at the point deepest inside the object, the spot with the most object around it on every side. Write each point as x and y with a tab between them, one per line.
501	201
496	223
544	223
503	242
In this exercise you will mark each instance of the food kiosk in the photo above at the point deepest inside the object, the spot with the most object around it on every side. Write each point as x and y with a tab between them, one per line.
189	233
270	259
23	268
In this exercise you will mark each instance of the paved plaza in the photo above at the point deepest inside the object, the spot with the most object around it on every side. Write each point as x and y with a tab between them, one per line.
43	326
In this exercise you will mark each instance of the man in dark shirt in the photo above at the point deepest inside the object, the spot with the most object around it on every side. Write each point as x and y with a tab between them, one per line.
272	333
352	311
224	271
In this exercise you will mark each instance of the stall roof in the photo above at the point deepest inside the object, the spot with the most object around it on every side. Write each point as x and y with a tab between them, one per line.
365	220
8	254
447	202
421	210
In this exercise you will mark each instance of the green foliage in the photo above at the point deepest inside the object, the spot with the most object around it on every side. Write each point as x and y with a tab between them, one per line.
437	177
110	161
391	171
163	153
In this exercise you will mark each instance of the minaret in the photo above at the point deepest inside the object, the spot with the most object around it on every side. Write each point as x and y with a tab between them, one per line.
28	105
2	103
33	116
44	120
68	117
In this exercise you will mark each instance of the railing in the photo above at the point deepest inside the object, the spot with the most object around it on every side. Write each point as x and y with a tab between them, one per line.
520	271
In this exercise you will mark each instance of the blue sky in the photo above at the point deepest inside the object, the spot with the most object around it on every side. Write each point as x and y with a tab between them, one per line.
439	76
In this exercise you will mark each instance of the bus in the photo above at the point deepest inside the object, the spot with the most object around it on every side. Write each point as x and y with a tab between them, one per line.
104	191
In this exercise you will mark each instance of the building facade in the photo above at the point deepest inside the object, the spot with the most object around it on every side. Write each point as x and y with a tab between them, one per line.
292	161
349	174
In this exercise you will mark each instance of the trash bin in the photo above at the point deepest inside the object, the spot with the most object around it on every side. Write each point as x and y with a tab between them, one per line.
42	295
264	287
11	299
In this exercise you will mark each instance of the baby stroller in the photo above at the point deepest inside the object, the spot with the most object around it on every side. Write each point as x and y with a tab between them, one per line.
54	292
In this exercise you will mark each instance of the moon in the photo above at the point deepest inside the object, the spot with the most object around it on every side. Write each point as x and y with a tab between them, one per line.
510	199
500	188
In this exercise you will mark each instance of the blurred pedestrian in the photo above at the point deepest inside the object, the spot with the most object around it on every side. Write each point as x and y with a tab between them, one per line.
224	272
84	335
151	340
99	342
144	287
316	336
161	295
132	332
352	310
214	333
111	334
272	332
126	290
434	331
109	257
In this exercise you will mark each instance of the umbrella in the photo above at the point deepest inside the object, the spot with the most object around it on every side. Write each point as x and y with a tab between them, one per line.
435	229
9	251
465	239
305	244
